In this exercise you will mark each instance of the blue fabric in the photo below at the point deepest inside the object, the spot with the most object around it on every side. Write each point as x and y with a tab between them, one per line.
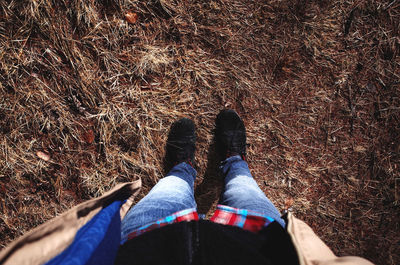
171	194
97	242
175	193
242	191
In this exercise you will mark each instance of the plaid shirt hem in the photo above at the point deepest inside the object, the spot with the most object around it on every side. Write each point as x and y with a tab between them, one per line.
181	216
248	220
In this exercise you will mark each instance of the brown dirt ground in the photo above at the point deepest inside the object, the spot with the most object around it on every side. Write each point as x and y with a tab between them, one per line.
317	83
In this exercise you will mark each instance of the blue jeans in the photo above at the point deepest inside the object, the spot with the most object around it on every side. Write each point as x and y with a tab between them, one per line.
175	192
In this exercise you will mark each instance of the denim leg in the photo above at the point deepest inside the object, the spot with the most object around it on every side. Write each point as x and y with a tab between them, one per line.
171	194
241	190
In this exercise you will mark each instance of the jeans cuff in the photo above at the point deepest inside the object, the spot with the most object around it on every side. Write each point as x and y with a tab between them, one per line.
234	166
184	171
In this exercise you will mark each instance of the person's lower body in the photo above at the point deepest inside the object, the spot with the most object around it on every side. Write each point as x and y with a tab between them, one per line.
175	193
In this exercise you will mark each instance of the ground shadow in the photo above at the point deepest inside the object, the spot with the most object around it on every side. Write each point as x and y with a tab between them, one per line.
208	192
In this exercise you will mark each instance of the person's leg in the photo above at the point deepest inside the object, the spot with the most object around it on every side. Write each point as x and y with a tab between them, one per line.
241	190
174	192
171	194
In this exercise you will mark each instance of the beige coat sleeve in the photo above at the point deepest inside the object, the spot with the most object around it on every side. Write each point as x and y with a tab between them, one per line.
312	250
51	238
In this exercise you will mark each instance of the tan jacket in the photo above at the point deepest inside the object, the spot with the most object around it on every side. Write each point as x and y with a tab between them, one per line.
51	238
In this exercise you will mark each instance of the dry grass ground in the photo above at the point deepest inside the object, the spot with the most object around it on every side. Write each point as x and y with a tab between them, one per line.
317	83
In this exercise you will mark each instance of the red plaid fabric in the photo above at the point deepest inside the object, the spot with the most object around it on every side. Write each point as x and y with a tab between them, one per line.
181	216
245	219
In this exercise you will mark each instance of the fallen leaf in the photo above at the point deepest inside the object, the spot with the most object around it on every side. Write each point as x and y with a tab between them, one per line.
42	155
68	193
228	104
360	149
131	17
3	189
88	136
289	203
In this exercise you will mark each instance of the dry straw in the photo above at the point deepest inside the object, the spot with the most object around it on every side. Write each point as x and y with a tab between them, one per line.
317	83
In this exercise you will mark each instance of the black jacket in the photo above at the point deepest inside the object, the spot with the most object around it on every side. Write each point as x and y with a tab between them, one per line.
204	242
